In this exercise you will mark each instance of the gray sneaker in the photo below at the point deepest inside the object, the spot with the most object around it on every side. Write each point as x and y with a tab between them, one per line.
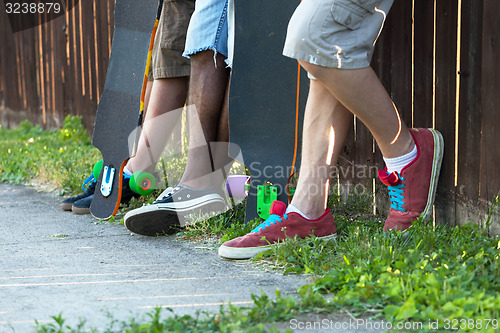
164	216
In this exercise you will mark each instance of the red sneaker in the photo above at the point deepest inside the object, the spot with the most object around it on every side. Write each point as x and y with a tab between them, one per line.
275	229
412	192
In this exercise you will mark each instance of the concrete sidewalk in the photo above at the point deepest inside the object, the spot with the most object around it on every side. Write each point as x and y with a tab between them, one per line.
55	262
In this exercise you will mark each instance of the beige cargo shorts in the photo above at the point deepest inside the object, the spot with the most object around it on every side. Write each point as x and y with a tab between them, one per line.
336	33
167	60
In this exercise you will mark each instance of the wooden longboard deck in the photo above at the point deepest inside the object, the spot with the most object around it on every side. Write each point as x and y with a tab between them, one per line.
118	109
266	104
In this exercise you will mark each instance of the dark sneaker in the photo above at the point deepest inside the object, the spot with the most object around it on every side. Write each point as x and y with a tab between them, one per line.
165	215
82	206
412	191
67	204
127	193
276	229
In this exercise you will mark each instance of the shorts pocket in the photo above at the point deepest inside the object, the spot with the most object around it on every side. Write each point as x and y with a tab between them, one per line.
174	24
350	13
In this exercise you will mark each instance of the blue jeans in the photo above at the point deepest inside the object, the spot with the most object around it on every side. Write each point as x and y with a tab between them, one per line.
210	28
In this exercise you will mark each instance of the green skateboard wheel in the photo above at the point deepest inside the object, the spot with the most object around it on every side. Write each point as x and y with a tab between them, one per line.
97	169
142	183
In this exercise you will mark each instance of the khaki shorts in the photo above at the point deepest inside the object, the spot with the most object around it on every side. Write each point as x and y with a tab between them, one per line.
167	60
336	33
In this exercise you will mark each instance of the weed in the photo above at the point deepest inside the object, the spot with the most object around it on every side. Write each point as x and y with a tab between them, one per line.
59	327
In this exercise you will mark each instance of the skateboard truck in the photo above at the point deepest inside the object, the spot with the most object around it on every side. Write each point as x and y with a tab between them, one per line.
238	186
107	180
266	194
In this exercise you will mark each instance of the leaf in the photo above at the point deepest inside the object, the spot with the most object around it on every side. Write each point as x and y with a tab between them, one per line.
346	261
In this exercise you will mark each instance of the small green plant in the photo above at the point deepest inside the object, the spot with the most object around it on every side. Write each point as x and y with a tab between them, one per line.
59	327
73	131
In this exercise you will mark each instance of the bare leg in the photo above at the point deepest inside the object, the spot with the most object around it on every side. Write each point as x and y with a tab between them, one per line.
207	92
363	94
223	122
220	148
147	96
166	95
326	124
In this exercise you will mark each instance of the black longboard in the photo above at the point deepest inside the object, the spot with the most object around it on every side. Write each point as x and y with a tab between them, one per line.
118	109
267	96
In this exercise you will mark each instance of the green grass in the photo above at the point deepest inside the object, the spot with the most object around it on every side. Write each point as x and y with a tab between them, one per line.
428	273
62	157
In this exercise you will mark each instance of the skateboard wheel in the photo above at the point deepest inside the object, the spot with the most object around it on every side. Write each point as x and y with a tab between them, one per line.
97	169
142	183
236	186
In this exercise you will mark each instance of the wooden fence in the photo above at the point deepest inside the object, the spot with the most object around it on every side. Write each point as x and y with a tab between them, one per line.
57	68
437	58
439	61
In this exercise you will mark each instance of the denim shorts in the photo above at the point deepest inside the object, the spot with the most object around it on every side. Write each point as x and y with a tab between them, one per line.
167	60
210	28
336	33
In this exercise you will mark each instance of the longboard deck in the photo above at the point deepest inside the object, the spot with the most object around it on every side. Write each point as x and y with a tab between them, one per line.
267	96
118	109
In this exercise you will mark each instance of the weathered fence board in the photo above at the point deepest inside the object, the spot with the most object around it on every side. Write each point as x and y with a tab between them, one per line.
57	68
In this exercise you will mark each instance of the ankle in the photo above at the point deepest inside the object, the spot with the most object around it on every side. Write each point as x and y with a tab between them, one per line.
309	210
292	209
403	145
398	163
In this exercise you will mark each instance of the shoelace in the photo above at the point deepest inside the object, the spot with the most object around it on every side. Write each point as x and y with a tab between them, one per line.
89	181
166	193
273	219
396	196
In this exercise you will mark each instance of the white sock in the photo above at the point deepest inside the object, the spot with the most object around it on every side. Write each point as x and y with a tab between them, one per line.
292	209
127	172
398	163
